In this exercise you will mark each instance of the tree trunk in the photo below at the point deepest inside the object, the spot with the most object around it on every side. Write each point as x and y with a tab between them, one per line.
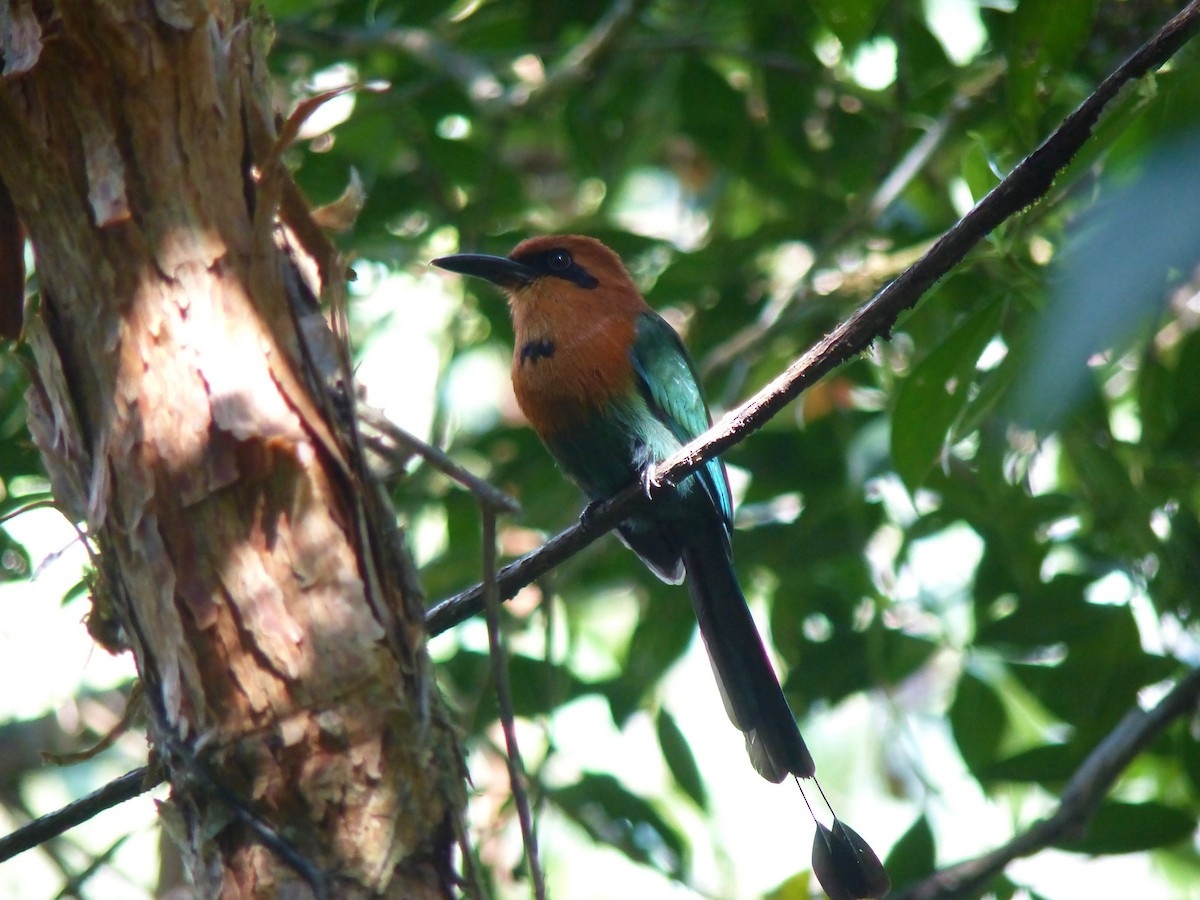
245	561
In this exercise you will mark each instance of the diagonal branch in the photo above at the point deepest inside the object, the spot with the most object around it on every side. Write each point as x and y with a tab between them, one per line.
1028	183
51	825
582	61
1025	185
473	77
783	309
1080	799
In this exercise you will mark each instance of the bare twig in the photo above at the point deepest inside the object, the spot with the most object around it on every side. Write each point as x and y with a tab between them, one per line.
1024	186
51	825
783	310
488	495
1028	183
133	706
189	765
600	519
491	503
1082	797
75	884
516	769
581	62
474	78
44	503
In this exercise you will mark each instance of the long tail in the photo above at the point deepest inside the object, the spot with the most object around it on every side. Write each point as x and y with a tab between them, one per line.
753	698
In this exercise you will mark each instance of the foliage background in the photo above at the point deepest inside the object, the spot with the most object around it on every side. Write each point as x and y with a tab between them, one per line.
974	548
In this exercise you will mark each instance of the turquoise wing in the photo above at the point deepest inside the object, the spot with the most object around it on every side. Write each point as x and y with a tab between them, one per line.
667	380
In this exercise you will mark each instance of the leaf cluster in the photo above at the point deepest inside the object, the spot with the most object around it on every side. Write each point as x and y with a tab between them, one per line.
991	521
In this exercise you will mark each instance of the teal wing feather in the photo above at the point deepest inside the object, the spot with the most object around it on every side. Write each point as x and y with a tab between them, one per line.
753	699
668	382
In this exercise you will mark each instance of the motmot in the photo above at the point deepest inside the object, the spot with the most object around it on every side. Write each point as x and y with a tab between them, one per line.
609	387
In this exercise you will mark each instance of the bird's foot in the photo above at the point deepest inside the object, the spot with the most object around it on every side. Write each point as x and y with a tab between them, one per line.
651	483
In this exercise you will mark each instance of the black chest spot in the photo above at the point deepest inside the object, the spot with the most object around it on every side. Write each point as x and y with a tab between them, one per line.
532	351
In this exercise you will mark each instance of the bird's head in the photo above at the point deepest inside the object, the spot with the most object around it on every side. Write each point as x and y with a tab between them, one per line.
566	270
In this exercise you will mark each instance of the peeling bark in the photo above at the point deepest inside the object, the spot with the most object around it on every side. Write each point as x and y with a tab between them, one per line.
280	645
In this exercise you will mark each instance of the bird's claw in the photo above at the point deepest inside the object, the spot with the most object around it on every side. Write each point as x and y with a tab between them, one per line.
651	483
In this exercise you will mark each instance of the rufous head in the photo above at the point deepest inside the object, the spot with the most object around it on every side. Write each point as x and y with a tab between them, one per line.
561	267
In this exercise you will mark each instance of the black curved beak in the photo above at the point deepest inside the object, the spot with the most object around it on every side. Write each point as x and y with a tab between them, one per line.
499	270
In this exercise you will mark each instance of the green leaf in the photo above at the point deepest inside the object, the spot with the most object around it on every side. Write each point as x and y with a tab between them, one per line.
538	687
612	815
1054	613
850	20
680	760
1188	750
81	588
978	171
1184	402
794	888
1049	764
714	114
900	654
1132	827
1111	282
1098	681
930	399
830	669
1045	36
1002	888
664	631
978	721
913	856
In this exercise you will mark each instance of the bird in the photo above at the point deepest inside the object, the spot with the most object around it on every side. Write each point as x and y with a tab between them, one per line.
610	389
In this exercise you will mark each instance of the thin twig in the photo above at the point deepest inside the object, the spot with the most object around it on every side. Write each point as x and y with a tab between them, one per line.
479	82
582	61
487	493
44	503
660	45
599	520
1025	185
74	885
475	79
51	825
133	706
516	769
784	310
1028	183
190	766
1080	799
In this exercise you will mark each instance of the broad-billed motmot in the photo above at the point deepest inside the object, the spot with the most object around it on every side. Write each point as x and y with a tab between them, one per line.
609	387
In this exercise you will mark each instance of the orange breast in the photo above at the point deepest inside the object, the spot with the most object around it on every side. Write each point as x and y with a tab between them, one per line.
588	367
